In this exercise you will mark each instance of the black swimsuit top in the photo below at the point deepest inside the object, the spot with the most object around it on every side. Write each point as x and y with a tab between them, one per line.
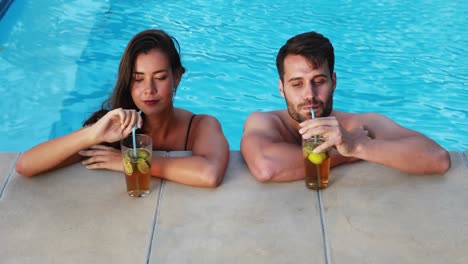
188	131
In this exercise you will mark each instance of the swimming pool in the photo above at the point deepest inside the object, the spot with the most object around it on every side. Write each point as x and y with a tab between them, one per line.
59	59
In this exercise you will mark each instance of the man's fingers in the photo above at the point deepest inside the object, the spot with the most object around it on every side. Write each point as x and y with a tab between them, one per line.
327	144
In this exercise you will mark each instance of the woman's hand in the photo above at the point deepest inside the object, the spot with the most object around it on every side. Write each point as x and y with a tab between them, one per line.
102	157
116	124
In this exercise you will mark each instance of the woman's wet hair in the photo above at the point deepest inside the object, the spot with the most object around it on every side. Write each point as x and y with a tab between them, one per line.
142	42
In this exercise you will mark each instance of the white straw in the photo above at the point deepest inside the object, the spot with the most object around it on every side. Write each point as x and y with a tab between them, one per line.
313	116
134	138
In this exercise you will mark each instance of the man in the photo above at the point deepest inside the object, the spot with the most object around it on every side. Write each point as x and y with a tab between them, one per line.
271	143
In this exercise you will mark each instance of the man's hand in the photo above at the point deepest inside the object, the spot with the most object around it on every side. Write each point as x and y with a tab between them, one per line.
334	134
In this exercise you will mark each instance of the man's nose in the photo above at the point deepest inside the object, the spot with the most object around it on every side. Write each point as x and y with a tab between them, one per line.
309	92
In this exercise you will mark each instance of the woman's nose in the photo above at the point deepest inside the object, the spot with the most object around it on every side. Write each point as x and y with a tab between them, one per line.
150	87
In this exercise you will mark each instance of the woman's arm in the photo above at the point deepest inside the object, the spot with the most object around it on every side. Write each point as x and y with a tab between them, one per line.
54	153
209	160
62	151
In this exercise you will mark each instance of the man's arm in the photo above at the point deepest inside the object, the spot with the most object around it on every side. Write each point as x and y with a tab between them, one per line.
389	144
270	156
267	153
401	148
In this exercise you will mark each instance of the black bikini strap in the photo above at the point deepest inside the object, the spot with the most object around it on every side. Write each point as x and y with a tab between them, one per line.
188	131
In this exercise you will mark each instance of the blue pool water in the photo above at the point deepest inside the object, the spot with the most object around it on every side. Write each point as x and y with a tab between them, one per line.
59	59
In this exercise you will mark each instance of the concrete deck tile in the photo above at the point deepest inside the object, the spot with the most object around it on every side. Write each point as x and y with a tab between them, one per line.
378	215
6	167
242	221
74	215
465	158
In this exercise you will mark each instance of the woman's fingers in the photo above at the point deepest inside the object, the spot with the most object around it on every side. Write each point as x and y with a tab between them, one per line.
103	147
99	153
130	118
102	157
117	124
97	150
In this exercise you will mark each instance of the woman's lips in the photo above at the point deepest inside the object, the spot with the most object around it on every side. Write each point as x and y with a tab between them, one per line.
150	102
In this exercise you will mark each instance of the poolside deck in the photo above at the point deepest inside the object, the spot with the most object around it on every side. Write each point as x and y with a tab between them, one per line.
369	214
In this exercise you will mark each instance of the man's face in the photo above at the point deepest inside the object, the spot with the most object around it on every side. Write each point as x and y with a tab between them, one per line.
305	87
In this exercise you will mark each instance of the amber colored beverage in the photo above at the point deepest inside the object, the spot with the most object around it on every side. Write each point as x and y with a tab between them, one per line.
137	172
317	165
136	158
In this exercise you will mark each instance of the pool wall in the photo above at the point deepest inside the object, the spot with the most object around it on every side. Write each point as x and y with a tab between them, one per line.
4	4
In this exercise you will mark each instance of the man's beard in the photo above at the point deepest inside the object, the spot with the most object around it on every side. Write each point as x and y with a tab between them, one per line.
294	111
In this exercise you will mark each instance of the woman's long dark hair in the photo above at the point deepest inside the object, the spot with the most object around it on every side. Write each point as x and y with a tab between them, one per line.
142	42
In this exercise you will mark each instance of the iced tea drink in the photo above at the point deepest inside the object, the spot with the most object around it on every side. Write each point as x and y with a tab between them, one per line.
317	165
137	165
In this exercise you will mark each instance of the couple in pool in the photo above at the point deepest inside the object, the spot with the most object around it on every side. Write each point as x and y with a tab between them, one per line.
149	73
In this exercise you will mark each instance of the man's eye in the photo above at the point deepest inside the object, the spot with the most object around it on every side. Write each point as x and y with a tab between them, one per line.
320	82
296	84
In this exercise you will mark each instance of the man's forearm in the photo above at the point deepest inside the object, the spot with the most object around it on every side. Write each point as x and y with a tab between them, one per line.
412	155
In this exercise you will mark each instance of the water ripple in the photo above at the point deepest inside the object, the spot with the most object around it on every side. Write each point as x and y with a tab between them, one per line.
404	60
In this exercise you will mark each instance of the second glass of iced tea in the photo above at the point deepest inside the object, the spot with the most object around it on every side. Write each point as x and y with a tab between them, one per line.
317	165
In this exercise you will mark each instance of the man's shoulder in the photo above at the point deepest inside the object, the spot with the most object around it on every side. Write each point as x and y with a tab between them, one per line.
347	116
269	115
352	120
270	119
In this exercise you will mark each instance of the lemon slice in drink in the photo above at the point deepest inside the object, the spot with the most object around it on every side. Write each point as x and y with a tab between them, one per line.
127	167
317	158
142	166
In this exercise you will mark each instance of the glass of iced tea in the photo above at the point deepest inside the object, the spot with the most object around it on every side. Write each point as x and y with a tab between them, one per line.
317	165
137	164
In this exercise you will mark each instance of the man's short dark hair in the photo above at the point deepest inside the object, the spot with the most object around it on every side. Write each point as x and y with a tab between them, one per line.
316	48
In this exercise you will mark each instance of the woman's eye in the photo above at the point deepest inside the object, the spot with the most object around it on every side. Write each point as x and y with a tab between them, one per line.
164	77
138	80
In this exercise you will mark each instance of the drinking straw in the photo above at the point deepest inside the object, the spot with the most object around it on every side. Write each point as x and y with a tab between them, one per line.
319	180
134	138
313	116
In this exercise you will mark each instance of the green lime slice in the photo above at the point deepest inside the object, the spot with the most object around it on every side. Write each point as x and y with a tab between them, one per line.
142	154
127	166
142	166
317	158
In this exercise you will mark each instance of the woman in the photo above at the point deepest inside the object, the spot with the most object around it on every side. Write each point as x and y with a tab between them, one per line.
149	73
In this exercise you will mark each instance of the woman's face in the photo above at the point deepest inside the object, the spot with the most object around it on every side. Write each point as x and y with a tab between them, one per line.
153	83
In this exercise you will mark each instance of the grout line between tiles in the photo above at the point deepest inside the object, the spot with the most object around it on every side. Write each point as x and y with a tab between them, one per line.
8	176
464	155
155	221
324	229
